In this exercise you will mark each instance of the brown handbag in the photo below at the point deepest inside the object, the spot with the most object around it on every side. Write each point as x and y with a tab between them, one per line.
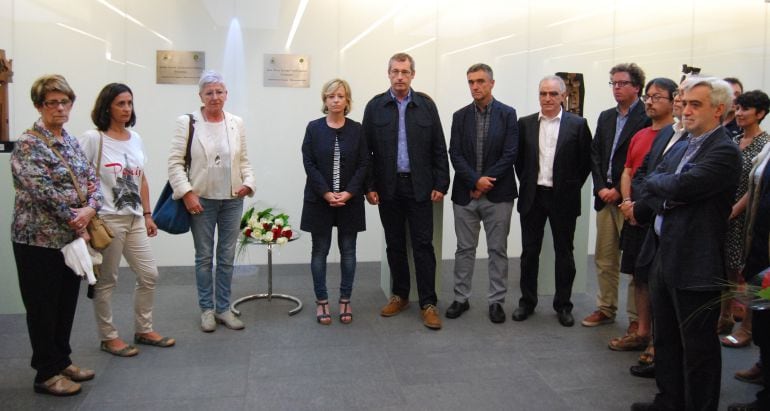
100	233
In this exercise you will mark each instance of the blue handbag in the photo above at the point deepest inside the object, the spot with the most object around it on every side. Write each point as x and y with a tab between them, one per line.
171	215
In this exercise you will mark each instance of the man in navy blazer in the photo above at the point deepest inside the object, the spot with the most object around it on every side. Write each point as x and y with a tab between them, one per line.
614	130
482	149
695	186
554	161
409	171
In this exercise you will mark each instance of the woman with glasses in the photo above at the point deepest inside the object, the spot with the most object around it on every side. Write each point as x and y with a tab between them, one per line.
50	176
119	155
335	158
219	177
750	109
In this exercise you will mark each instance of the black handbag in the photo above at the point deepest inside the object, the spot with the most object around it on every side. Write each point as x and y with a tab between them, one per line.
171	215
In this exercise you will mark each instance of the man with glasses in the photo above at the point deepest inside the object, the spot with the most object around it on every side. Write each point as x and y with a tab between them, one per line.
482	149
659	106
614	130
553	163
409	171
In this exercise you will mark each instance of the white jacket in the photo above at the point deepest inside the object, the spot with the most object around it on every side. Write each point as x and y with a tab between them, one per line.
240	168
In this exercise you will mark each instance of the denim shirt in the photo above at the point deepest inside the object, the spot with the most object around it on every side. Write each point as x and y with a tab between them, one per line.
45	193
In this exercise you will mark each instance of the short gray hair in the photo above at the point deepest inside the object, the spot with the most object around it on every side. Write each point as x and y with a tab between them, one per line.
481	67
721	91
210	77
557	79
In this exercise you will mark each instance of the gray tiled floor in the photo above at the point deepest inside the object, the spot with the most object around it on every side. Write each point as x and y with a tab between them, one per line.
376	363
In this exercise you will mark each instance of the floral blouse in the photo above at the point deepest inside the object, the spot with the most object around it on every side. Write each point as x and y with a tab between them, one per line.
45	194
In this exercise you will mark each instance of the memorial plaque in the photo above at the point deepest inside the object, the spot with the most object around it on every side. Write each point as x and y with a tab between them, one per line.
179	67
286	70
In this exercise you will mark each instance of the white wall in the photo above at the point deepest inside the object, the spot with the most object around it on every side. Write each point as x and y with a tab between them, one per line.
537	38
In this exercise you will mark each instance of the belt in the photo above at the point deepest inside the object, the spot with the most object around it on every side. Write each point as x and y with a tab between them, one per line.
404	175
544	188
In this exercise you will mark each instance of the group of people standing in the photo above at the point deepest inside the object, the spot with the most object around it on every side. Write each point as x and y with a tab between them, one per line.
669	183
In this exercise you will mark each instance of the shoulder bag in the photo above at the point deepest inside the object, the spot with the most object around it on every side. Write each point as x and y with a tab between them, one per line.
171	215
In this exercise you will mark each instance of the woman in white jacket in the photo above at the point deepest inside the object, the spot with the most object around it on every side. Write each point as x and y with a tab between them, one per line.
220	175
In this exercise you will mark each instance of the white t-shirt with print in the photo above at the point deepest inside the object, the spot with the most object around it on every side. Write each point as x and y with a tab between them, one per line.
121	170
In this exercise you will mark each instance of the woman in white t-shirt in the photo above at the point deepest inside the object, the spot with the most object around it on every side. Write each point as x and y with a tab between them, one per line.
118	156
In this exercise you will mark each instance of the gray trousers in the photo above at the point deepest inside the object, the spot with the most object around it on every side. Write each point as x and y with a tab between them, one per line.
497	224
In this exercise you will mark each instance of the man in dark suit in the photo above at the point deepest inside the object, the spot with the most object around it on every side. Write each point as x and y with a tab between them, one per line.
553	163
409	171
694	185
614	130
482	149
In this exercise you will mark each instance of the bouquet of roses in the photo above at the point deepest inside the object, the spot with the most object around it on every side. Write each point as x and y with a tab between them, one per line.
262	226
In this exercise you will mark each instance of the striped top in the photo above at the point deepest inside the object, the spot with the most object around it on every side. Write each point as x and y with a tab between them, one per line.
336	164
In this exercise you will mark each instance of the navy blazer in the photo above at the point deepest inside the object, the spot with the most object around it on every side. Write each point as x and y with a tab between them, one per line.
601	147
571	162
699	201
318	159
500	150
424	139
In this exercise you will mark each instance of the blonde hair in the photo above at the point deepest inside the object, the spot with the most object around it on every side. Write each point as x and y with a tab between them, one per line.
48	84
330	87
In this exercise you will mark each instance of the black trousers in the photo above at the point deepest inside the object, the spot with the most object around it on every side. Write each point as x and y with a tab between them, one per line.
395	214
49	290
688	359
563	231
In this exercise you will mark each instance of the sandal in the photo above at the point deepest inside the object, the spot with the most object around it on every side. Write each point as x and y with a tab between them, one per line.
346	317
629	342
127	351
325	318
162	342
735	340
725	325
648	356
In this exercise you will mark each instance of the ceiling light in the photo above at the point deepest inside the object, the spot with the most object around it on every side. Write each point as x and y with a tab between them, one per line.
297	18
483	43
376	24
134	20
422	43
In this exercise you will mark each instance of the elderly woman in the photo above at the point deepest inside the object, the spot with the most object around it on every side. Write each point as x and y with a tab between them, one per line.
119	155
219	177
335	159
49	214
750	109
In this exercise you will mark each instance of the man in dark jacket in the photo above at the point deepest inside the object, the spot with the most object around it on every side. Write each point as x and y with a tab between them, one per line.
409	171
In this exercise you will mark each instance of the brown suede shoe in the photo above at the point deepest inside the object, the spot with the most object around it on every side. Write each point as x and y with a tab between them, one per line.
752	376
430	317
78	374
395	306
58	385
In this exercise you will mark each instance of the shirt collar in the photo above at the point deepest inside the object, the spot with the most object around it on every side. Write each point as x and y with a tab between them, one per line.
542	116
393	96
630	108
486	109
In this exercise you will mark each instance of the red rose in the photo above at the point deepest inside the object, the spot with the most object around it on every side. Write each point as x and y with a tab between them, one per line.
276	234
766	281
247	233
287	234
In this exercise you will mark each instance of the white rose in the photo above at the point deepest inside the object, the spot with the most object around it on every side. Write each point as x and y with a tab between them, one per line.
264	220
278	221
282	240
254	222
267	237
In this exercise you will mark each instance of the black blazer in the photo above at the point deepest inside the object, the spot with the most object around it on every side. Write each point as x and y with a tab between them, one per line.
425	142
699	201
500	150
643	211
571	162
601	147
318	159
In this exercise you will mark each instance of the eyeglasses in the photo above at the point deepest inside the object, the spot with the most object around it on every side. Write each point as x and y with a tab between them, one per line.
655	98
549	93
395	73
56	103
621	83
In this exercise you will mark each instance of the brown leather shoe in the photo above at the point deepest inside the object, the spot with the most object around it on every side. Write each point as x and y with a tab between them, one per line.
752	376
58	385
77	374
395	306
597	318
430	317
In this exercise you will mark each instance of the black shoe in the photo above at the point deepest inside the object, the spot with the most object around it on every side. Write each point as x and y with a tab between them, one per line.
644	371
521	313
456	309
646	406
565	318
751	406
496	313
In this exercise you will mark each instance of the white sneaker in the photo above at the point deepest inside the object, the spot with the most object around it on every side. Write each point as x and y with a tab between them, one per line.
208	324
229	320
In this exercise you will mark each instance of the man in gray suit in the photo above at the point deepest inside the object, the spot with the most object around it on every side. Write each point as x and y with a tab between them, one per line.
482	149
553	163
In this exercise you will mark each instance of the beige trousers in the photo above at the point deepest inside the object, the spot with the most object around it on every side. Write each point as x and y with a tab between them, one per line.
609	223
131	242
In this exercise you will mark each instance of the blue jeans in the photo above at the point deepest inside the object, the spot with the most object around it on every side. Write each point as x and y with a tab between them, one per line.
322	241
225	216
